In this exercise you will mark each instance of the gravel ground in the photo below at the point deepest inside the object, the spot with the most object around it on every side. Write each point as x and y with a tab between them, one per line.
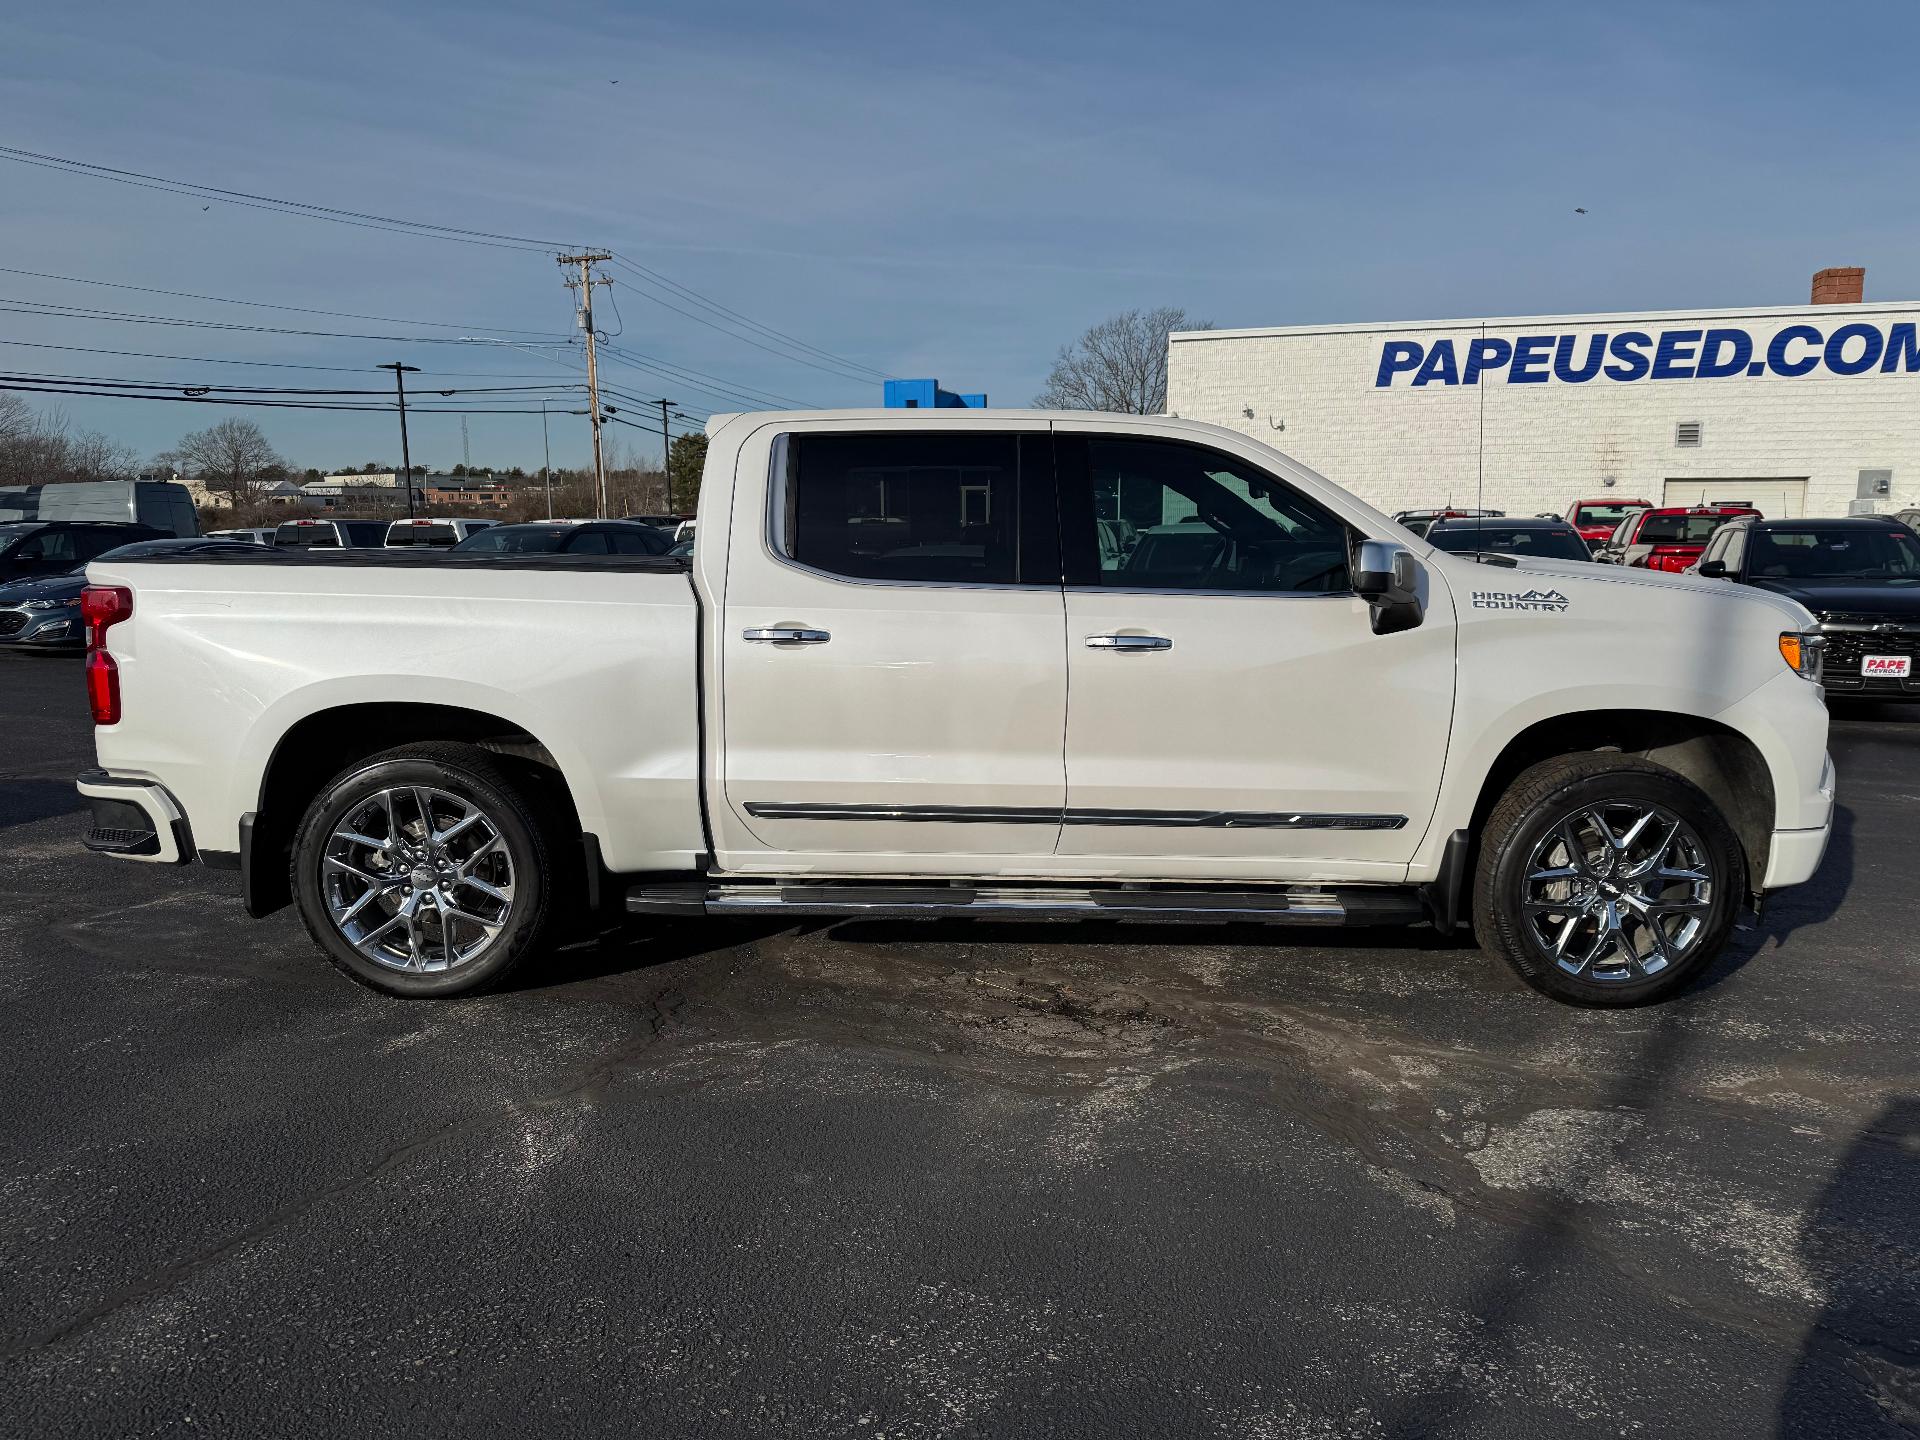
964	1178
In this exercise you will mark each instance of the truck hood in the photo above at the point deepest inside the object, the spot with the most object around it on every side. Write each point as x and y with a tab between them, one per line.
45	587
1894	599
1582	583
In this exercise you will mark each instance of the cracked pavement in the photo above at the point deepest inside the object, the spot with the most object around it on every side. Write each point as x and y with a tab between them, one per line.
979	1178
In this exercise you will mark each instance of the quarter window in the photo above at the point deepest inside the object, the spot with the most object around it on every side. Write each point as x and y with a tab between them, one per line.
1170	516
928	506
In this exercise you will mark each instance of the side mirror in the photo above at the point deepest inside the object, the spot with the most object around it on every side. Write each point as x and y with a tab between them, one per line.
1713	569
1387	577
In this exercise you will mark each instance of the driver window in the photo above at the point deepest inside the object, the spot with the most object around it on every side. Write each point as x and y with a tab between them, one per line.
50	545
1180	517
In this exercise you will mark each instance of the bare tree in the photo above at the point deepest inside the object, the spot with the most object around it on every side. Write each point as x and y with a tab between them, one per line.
42	448
233	456
1118	365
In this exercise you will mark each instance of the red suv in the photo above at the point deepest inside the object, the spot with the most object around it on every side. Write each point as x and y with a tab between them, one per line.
1596	520
1670	538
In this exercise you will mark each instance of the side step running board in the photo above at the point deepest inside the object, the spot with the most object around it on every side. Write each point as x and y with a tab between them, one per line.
1282	905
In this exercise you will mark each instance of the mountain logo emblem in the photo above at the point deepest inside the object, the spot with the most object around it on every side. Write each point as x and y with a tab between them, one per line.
1549	600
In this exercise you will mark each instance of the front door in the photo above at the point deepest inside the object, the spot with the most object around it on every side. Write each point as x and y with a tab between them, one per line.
1230	711
893	687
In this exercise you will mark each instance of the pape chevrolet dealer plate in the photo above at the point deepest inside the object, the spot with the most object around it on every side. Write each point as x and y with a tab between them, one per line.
1887	667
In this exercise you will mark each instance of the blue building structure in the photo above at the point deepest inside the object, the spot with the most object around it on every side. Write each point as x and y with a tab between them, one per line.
927	395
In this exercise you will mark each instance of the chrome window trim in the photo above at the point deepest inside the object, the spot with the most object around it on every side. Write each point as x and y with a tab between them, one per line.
1244	594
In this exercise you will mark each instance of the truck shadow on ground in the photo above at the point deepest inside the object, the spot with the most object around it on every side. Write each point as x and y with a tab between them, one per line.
1859	1366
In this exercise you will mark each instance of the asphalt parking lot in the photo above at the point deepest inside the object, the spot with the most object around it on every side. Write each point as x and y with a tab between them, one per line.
958	1179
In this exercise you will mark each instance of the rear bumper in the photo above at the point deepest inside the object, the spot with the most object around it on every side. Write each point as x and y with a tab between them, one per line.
134	820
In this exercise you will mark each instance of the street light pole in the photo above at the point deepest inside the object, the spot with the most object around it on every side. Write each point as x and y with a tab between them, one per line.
546	470
400	373
666	454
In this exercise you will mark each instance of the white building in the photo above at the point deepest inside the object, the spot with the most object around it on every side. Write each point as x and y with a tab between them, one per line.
1802	410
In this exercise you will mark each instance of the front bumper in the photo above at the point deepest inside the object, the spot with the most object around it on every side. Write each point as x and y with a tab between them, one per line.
41	630
134	820
1793	856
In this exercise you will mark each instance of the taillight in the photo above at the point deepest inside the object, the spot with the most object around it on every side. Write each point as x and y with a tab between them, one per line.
103	687
1671	557
102	607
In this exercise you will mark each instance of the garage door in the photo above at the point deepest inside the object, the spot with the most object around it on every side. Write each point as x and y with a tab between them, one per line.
1775	499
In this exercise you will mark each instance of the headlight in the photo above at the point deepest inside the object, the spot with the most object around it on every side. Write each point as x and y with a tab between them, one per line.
1803	650
42	604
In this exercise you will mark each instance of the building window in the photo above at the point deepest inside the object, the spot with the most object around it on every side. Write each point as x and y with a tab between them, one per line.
1687	433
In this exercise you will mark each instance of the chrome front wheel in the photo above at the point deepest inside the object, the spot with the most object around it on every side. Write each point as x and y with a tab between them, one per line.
1616	892
418	879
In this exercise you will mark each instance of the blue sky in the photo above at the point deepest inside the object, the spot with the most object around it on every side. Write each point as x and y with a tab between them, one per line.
952	191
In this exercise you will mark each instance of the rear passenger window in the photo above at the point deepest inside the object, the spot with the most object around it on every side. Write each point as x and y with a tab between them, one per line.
637	542
918	506
589	542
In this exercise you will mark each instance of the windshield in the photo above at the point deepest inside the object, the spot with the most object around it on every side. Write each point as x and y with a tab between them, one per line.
1679	529
1604	514
517	540
1537	541
17	530
1834	554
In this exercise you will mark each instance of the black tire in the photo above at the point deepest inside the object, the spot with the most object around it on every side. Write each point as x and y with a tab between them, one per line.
473	776
1567	789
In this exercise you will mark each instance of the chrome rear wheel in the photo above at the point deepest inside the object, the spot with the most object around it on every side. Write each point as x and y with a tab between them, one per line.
418	879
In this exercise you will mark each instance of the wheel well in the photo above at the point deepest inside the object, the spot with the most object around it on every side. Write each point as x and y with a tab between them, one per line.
323	744
1720	760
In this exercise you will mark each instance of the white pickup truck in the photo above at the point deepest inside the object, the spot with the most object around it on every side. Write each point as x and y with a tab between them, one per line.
979	663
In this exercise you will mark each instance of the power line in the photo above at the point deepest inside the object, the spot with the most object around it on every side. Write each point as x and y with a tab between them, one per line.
264	304
27	388
794	350
834	369
723	389
270	202
263	364
203	388
697	298
56	311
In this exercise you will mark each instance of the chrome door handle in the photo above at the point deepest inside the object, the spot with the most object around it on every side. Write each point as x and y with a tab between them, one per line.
787	635
1128	642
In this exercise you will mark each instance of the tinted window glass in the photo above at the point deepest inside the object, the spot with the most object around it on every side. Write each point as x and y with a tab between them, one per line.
1604	514
1678	529
589	542
517	540
54	546
1835	554
634	540
307	537
1199	520
439	533
1539	541
906	506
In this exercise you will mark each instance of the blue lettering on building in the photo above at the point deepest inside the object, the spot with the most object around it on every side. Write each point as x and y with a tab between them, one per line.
1628	355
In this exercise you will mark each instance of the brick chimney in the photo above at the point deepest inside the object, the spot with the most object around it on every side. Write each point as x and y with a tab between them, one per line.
1846	285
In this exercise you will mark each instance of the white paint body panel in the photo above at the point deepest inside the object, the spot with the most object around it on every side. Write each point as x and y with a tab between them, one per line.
949	695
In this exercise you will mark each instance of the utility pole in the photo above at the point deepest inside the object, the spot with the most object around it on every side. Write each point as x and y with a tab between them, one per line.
585	285
400	373
666	454
546	470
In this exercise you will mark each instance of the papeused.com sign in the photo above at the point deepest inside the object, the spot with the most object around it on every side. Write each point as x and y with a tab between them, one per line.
1628	355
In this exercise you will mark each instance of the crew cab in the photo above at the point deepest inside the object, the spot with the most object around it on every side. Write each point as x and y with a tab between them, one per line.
1596	520
900	675
1668	538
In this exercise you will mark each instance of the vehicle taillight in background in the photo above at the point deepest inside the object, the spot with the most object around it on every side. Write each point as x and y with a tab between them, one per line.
101	608
1672	557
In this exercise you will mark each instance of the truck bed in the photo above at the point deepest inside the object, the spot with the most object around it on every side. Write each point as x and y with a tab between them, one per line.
231	662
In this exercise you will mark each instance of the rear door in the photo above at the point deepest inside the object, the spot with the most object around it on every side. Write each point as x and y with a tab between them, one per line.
893	686
1230	710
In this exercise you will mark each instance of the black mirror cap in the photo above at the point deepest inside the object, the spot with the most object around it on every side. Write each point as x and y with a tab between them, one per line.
1713	569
